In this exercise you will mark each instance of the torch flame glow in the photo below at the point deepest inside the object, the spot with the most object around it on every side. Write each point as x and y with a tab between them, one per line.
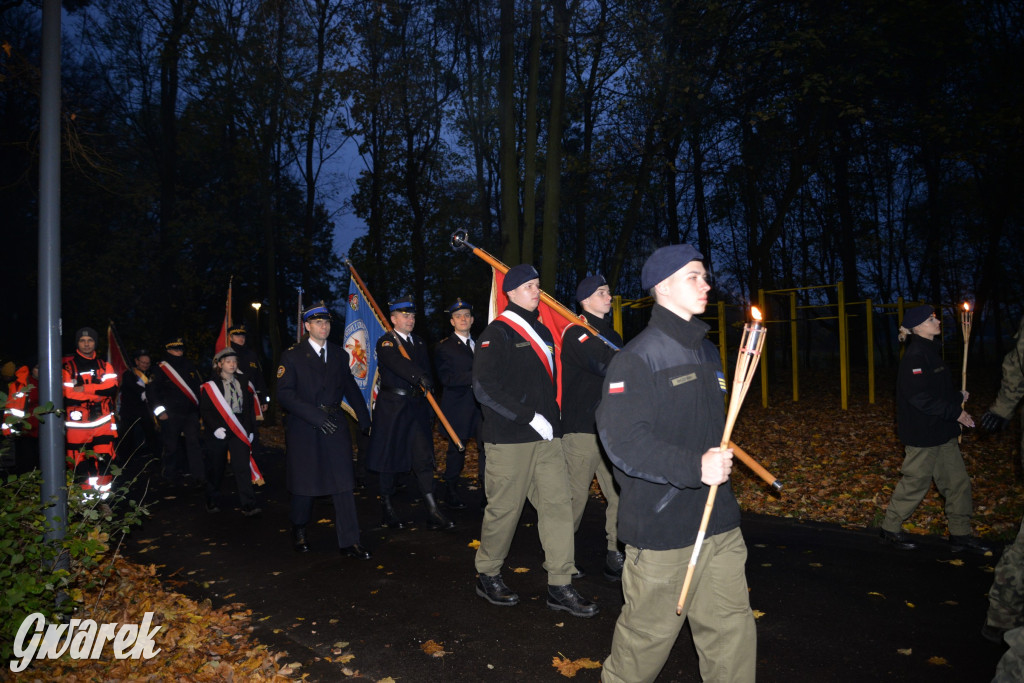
967	306
755	314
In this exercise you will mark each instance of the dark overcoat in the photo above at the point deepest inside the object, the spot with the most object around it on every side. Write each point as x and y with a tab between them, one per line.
454	361
318	464
401	422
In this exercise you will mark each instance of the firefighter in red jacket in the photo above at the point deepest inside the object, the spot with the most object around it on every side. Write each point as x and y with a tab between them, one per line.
90	390
19	422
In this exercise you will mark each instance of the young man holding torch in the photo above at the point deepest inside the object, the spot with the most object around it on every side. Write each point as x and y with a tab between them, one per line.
661	420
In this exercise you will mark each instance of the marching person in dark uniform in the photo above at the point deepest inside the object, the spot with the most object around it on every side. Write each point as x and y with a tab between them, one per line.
227	404
514	378
661	420
585	360
174	397
402	436
454	359
312	380
135	416
249	364
929	413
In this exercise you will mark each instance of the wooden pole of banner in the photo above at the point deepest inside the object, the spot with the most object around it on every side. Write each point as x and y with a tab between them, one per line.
459	241
387	328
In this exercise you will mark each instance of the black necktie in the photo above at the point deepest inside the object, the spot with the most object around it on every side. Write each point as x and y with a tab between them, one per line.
322	356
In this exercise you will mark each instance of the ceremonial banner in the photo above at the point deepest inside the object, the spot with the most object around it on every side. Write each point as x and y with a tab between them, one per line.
115	352
362	330
222	338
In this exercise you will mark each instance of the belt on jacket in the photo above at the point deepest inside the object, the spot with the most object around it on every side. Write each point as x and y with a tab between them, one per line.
399	391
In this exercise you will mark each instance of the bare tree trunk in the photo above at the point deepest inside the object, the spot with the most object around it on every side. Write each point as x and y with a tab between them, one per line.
509	169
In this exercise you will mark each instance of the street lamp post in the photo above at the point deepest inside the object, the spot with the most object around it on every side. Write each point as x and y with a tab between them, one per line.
259	344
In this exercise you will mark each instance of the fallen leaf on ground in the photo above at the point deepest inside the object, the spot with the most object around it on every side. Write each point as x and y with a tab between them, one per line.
938	661
474	544
905	651
433	649
568	668
520	570
874	593
758	614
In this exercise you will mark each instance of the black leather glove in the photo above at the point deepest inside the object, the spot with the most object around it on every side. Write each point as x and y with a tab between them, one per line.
426	384
991	422
329	425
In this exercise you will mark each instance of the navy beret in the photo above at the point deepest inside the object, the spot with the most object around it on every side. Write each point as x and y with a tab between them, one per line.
404	304
588	286
665	261
459	305
517	275
916	315
317	311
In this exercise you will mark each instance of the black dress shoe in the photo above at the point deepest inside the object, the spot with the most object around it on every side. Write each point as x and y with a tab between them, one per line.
973	545
452	498
299	539
356	552
568	598
493	590
613	565
898	540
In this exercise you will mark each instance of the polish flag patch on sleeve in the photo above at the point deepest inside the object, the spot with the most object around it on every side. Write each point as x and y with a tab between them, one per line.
616	387
917	371
484	345
583	337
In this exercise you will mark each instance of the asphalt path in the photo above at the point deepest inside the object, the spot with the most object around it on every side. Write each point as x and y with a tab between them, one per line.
832	604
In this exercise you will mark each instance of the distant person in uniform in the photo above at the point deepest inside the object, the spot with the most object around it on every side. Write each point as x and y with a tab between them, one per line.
135	415
929	414
174	397
515	378
403	437
312	380
454	360
228	406
585	360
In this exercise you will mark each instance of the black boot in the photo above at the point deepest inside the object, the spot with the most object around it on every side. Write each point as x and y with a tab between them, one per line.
299	539
389	519
493	590
436	520
452	496
568	598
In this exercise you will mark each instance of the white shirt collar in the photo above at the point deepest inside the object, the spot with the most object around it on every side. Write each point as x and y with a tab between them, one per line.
317	347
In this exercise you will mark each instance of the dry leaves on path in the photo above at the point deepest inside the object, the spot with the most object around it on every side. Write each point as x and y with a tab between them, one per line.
568	668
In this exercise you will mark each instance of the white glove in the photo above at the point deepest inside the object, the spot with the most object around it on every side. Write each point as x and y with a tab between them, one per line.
541	425
250	438
220	433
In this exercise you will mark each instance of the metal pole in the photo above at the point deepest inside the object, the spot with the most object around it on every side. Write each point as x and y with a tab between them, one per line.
844	347
794	346
764	357
51	433
870	315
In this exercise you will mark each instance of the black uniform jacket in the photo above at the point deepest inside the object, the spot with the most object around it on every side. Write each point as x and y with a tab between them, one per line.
134	404
585	360
927	402
662	408
511	382
397	415
318	464
163	392
211	416
249	365
454	361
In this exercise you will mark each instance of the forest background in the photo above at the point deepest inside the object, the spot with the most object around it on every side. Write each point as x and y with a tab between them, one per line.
797	144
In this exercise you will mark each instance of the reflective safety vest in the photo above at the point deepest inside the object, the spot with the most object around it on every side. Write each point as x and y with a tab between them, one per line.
22	399
90	388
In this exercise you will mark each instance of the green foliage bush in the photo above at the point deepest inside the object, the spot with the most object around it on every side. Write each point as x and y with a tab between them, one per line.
54	577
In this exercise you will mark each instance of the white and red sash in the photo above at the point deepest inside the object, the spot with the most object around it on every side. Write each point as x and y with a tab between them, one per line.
525	329
178	381
213	392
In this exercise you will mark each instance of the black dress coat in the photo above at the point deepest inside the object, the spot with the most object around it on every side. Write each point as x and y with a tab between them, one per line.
318	464
401	422
454	361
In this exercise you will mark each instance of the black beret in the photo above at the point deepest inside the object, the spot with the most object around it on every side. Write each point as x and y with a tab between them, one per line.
517	275
459	305
404	304
665	261
917	315
588	286
317	311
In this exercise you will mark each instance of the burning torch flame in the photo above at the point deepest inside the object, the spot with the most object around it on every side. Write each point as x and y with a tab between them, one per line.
967	306
755	314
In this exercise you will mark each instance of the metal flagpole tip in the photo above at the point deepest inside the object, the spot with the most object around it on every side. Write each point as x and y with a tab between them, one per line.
459	239
777	486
